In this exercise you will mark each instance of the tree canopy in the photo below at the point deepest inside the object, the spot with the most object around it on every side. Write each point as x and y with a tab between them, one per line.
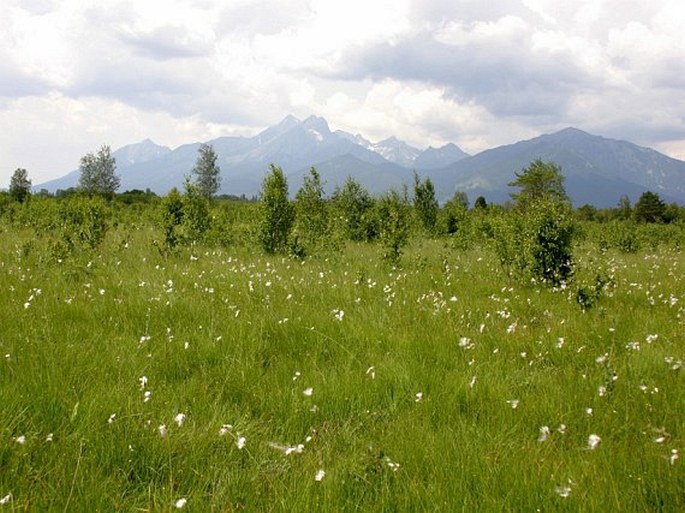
98	173
539	181
20	185
650	208
207	172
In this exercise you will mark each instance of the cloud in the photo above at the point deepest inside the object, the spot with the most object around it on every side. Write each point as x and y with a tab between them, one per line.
429	71
496	64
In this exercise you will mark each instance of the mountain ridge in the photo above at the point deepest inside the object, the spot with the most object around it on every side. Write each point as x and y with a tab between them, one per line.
598	170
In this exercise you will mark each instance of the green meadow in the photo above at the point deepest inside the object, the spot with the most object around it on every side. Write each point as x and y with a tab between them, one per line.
215	377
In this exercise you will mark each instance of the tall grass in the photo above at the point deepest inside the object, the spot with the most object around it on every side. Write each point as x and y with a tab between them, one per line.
425	387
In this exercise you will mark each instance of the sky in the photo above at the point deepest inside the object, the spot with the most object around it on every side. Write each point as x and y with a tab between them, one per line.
78	74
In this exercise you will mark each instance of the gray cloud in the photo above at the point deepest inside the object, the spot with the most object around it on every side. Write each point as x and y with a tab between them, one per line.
508	79
436	12
262	16
165	43
15	83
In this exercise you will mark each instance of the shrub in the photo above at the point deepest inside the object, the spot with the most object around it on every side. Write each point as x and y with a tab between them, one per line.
277	214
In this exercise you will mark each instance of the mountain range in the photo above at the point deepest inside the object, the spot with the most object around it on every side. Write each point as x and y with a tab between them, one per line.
598	170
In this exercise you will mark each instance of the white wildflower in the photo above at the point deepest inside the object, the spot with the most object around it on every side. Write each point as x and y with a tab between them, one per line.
288	449
371	371
465	342
296	375
593	442
21	439
308	391
394	466
588	412
418	397
225	429
143	382
674	456
563	491
472	383
544	434
162	430
240	442
514	403
179	419
651	338
181	503
146	396
320	474
111	418
601	391
49	438
6	499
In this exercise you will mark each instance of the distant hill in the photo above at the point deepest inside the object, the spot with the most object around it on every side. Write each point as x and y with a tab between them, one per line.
598	170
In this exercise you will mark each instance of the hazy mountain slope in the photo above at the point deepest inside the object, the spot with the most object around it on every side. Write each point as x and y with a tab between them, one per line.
598	170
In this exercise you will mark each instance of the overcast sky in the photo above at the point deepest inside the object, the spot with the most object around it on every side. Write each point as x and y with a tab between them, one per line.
77	74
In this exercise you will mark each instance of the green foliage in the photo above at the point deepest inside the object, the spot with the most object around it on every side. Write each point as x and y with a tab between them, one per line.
587	296
586	213
311	219
98	173
453	214
207	172
196	218
539	181
425	203
79	227
353	211
536	243
171	210
624	210
550	230
480	203
20	185
186	218
650	208
277	214
394	224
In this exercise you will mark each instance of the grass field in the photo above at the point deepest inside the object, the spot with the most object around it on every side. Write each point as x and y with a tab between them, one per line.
224	380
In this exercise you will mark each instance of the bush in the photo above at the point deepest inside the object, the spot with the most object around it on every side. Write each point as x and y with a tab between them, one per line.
277	214
393	215
537	242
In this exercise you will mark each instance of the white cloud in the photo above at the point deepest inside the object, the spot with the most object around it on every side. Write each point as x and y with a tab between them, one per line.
75	74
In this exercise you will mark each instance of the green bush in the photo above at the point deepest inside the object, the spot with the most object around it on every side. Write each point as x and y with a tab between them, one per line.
277	214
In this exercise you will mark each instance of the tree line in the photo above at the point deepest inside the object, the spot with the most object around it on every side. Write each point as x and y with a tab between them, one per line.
533	235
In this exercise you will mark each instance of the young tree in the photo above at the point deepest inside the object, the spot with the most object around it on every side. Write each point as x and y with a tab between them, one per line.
311	220
393	212
353	206
277	213
539	181
624	211
207	171
425	204
20	185
98	175
453	213
650	208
